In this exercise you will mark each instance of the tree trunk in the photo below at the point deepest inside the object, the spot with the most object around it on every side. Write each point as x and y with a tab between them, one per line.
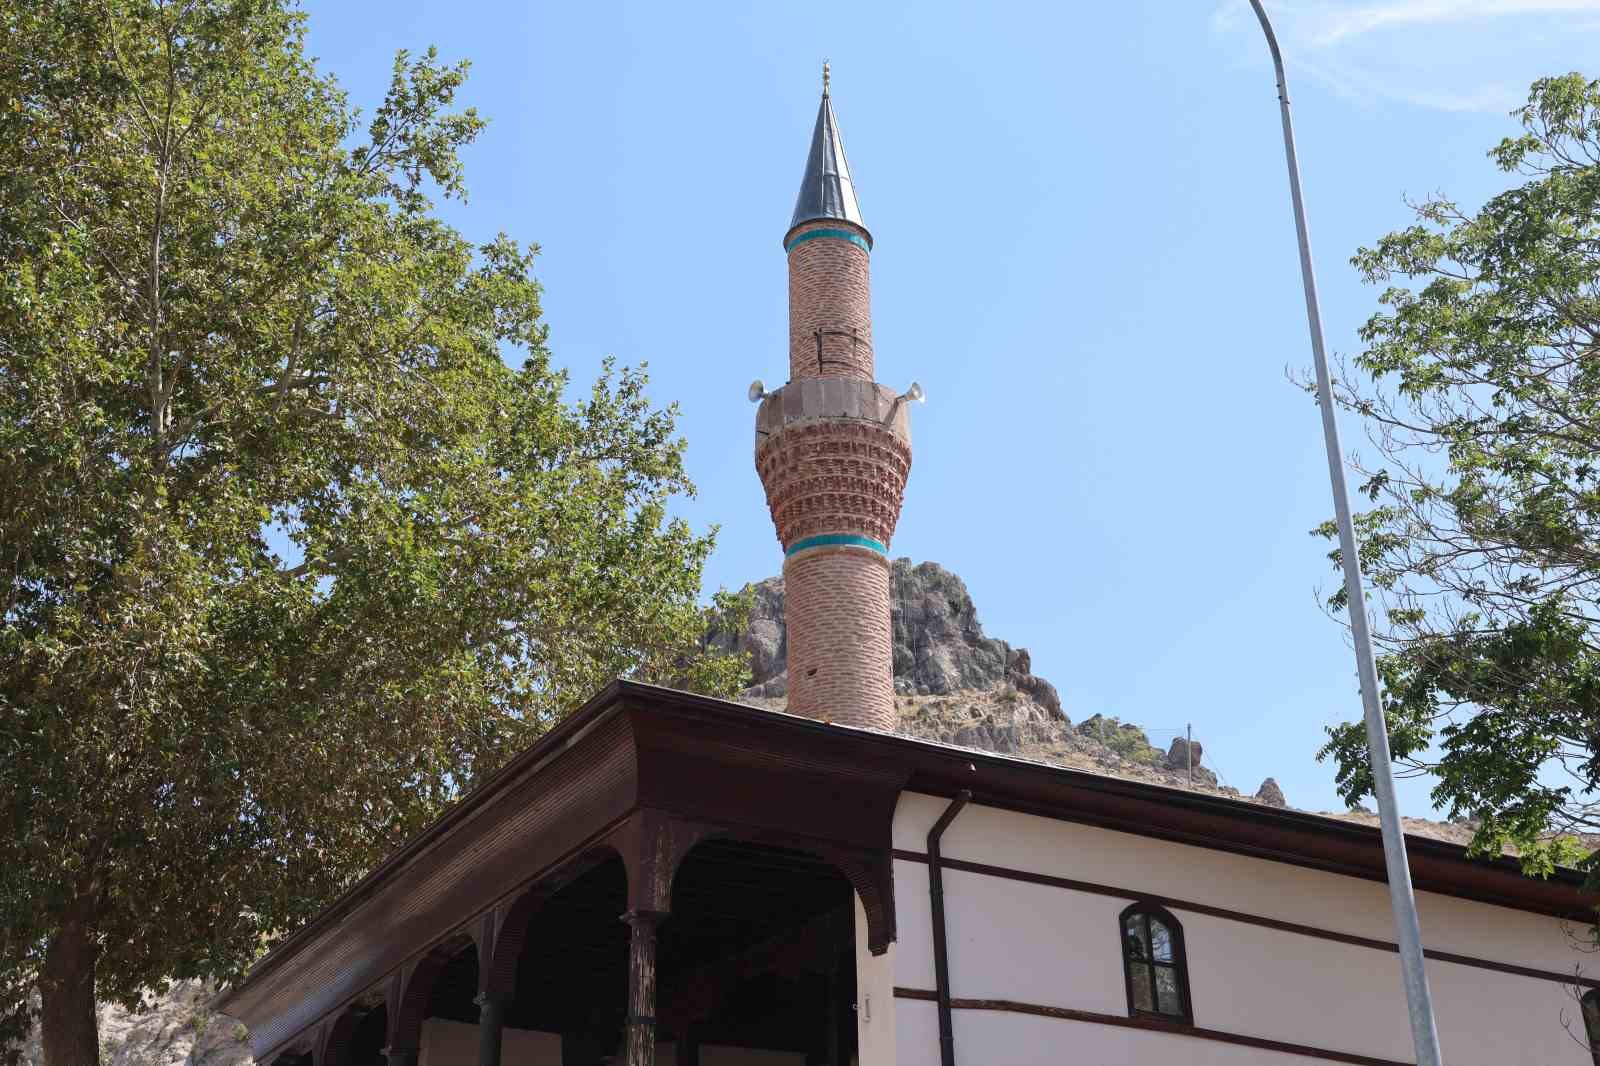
68	1028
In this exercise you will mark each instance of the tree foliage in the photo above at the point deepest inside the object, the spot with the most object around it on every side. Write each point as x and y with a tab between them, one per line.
291	555
1480	385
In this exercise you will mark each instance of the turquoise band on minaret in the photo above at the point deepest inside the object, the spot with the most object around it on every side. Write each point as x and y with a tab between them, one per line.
837	234
835	540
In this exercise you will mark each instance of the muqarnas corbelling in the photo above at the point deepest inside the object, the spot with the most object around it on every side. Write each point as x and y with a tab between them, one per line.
834	478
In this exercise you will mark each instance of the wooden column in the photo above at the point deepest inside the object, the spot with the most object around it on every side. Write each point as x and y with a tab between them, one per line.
491	1027
640	1040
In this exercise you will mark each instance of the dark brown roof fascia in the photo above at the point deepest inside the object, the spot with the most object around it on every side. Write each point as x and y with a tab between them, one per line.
1234	825
1239	826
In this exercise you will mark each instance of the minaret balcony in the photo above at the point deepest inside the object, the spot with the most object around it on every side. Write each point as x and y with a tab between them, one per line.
834	455
832	399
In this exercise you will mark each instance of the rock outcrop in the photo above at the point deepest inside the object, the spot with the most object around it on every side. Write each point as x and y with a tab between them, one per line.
175	1029
939	645
764	638
1270	794
957	685
1187	757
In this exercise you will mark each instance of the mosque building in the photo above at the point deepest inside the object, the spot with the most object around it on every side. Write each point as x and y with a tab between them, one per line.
665	878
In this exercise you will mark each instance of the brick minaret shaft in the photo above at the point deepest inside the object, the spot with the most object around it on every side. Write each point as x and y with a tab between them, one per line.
833	449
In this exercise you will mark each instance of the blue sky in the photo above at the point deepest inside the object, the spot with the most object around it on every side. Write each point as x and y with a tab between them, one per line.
1084	251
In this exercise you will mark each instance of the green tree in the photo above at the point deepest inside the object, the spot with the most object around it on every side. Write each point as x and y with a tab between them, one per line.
291	556
1480	386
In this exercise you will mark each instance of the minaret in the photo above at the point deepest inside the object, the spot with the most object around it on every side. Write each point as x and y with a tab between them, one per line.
833	449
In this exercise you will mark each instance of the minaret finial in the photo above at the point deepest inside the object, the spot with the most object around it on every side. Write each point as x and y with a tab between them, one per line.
825	189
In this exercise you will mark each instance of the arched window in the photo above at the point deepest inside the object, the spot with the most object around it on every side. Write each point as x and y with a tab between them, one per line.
1154	965
1590	1002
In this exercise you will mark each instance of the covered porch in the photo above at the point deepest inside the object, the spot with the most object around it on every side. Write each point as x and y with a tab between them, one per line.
650	883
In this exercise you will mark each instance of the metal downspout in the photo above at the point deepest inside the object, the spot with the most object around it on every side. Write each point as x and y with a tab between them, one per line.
941	954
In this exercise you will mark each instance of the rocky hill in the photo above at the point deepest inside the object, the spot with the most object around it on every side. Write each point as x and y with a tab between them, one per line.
957	685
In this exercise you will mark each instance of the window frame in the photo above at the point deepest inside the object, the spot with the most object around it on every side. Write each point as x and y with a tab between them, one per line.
1179	964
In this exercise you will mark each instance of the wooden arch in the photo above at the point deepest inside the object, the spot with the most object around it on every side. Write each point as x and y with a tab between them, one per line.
406	995
870	873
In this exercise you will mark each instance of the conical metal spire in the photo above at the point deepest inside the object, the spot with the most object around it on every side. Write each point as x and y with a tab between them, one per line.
826	191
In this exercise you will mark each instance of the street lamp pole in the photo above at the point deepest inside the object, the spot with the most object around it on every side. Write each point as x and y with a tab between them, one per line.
1419	1001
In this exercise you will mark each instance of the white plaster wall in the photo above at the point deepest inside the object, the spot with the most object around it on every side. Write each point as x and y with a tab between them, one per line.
994	1038
1054	947
913	926
1509	1020
1033	944
917	1035
875	1002
1246	979
1257	886
447	1043
997	1039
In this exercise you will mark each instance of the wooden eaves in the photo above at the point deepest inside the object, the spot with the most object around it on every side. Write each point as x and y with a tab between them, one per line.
639	760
